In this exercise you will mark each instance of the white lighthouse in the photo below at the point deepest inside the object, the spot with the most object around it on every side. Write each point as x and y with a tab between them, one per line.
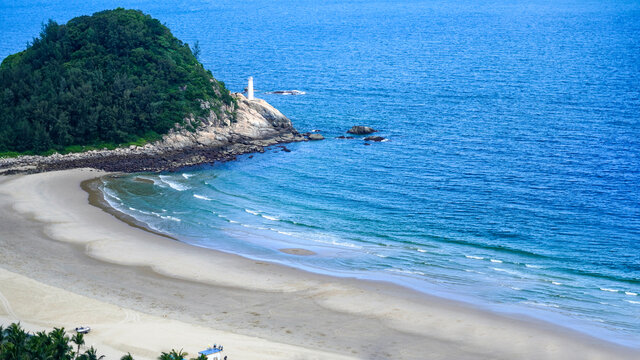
250	88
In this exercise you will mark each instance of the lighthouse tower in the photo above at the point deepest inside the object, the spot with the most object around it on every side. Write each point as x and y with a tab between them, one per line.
250	88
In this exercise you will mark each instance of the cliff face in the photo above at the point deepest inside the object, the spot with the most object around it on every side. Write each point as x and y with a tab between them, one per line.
256	122
218	137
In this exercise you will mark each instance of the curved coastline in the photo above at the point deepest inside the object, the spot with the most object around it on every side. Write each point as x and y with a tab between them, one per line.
292	306
97	198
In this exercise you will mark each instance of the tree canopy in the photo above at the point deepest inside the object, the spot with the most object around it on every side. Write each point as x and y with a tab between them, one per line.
114	77
18	344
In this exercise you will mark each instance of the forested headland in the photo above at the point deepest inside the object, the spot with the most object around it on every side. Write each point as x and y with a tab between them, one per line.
116	77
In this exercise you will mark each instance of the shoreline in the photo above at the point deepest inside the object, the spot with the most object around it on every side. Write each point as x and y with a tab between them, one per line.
293	307
562	322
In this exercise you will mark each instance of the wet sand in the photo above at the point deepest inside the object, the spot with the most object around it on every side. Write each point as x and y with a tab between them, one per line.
64	262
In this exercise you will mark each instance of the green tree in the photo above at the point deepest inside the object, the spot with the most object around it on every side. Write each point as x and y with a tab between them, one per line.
91	354
78	339
60	344
196	50
112	77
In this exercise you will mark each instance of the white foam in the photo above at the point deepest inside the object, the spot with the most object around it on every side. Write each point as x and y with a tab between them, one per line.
475	272
140	211
496	261
110	194
270	218
252	212
556	283
540	304
338	243
609	290
533	266
631	293
186	176
172	184
201	197
632	302
171	218
474	257
168	217
506	271
421	250
406	271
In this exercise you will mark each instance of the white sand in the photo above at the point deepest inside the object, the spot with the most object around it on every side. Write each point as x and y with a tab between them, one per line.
65	263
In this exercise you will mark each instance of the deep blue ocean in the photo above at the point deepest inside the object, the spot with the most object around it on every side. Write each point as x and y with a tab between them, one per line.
511	178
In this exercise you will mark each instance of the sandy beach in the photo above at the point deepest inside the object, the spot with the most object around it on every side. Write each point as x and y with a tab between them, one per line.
65	263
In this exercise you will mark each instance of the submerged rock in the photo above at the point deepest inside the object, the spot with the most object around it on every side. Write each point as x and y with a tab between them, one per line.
374	138
361	130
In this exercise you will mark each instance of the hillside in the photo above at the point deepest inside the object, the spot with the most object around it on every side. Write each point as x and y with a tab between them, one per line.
115	77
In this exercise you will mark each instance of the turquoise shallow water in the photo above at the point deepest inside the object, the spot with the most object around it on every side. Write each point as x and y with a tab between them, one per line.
511	178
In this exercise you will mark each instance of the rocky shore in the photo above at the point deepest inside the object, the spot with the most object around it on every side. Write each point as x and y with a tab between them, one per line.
219	137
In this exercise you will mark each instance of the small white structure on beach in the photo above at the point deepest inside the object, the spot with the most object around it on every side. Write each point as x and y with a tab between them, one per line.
212	353
250	88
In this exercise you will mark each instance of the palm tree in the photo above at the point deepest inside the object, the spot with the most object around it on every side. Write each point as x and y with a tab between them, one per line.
39	346
127	357
60	343
78	339
173	355
91	354
178	355
15	343
15	334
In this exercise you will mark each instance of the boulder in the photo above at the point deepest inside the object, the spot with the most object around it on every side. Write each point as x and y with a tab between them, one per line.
316	137
361	130
374	138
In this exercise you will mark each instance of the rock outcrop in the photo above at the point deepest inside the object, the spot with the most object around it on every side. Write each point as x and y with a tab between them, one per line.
218	137
361	130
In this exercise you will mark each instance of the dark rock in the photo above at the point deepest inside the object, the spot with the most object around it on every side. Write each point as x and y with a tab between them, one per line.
316	137
341	137
367	143
361	130
374	138
178	149
287	92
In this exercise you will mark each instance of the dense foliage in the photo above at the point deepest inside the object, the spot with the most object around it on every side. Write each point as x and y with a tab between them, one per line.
17	344
114	77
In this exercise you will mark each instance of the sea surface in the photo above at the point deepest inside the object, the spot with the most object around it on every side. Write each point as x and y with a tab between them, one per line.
511	174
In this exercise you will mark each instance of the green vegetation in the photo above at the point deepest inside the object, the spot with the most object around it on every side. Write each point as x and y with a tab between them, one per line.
17	344
116	77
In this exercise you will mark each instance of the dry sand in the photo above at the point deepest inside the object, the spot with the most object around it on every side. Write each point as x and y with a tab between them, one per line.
66	263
